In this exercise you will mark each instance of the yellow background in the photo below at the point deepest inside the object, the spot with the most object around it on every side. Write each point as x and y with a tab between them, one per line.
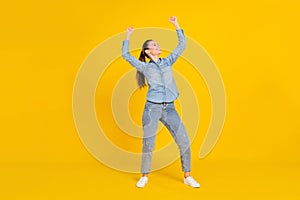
255	45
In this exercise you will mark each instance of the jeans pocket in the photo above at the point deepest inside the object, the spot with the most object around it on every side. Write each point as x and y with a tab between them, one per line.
146	119
147	107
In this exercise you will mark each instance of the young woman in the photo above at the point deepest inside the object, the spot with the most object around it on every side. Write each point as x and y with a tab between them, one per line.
161	94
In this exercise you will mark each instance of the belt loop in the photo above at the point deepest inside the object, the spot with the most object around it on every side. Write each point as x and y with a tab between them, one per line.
164	105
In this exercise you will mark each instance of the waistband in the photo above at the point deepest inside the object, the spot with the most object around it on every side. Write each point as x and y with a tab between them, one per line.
162	103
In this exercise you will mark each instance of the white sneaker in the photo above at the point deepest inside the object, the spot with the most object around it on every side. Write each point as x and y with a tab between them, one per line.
142	182
191	182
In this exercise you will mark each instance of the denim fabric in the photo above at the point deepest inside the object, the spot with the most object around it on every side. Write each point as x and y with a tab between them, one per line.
170	118
159	76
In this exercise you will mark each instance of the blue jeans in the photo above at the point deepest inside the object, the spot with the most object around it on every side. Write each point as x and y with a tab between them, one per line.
170	118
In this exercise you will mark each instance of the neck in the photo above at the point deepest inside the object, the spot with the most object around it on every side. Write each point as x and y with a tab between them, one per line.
154	58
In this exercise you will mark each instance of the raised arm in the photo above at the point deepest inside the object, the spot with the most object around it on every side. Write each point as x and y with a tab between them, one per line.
174	21
181	42
129	31
139	65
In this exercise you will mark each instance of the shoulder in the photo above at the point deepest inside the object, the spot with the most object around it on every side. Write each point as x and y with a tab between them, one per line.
165	61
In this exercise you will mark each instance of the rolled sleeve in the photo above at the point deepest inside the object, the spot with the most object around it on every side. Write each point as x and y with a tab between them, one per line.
139	65
180	47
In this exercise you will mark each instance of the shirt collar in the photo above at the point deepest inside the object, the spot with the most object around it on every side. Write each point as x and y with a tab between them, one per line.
158	61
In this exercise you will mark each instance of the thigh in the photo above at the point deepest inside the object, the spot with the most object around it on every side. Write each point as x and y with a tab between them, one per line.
173	122
171	119
151	116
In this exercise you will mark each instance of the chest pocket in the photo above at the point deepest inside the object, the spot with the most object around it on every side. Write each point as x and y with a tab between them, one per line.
158	74
153	73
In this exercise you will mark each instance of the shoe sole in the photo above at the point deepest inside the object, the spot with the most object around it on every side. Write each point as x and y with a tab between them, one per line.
191	185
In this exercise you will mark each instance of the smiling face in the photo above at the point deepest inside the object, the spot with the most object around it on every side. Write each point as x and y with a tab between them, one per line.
153	48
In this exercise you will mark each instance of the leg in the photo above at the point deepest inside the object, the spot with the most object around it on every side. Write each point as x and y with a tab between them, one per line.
172	121
151	115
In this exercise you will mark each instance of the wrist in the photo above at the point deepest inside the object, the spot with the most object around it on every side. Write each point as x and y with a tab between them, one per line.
176	25
128	37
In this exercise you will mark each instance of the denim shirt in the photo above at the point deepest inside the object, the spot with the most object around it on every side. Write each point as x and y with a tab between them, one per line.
159	76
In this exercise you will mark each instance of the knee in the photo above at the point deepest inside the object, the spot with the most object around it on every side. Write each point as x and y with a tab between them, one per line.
183	141
148	145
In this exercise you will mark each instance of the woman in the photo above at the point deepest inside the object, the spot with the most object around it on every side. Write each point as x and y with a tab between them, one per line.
162	93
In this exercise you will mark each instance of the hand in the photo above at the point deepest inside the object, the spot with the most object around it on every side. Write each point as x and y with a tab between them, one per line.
129	31
173	20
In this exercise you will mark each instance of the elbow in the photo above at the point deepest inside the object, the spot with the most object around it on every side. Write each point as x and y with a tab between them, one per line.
125	55
182	45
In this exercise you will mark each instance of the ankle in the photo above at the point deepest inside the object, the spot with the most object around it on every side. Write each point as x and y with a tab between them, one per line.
186	174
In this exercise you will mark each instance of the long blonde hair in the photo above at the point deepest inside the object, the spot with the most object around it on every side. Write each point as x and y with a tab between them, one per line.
140	77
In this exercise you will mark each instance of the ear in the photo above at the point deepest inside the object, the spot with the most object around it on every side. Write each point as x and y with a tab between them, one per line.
147	51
